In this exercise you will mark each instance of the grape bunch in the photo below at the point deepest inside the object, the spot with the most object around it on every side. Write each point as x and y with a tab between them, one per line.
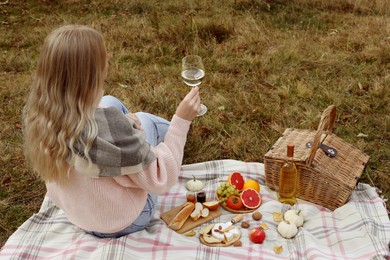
225	190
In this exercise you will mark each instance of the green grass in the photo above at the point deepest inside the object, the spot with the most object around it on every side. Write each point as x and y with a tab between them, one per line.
270	64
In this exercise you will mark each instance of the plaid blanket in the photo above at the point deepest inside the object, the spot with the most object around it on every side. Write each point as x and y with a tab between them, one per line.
358	230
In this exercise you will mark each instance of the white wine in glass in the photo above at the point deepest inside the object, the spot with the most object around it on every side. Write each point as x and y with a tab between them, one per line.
192	73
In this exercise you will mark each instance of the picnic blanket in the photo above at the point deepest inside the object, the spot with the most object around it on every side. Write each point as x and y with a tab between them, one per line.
358	230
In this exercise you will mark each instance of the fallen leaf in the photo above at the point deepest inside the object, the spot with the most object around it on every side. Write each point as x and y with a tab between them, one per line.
190	234
277	216
361	135
278	249
264	225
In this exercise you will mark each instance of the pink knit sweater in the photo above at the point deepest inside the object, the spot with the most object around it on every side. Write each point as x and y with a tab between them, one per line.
110	204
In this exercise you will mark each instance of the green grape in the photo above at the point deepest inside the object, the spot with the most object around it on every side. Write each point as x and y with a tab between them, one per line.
225	190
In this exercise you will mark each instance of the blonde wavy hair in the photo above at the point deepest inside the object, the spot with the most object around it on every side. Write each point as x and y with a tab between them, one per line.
65	92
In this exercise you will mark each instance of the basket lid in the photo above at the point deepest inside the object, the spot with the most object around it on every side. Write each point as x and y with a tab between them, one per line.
345	168
297	137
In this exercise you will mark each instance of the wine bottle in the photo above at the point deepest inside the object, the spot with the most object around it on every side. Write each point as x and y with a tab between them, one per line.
288	178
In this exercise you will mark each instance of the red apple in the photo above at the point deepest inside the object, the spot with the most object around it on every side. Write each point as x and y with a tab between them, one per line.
257	235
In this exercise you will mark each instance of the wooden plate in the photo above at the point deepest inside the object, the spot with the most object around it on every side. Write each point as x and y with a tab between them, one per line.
239	211
221	244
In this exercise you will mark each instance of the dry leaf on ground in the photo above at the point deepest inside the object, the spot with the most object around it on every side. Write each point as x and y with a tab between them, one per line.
277	216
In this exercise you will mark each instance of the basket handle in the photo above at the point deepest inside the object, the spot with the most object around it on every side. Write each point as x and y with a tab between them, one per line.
328	117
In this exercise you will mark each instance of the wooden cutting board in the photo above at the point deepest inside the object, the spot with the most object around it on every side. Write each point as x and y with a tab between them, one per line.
189	224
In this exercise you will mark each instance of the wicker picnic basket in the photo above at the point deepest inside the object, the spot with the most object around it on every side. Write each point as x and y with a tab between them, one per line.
326	179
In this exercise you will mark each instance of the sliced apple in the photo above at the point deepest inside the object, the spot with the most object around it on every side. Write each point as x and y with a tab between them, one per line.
190	233
211	205
206	229
210	239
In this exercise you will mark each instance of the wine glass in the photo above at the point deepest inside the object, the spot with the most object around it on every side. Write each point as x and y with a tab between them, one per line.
192	72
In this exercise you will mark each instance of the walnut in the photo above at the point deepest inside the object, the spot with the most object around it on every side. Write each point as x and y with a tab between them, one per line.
244	224
237	243
257	215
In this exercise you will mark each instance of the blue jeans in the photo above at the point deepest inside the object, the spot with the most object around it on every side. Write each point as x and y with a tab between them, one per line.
155	129
140	223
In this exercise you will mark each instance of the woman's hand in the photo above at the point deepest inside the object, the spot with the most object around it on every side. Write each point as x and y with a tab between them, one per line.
189	107
136	120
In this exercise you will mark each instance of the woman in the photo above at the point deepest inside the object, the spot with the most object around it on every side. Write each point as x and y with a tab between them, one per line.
102	165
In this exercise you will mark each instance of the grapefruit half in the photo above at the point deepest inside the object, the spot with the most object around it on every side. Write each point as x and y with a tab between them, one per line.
236	179
251	198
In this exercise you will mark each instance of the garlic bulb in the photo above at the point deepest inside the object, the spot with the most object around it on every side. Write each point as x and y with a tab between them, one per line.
287	229
194	184
294	216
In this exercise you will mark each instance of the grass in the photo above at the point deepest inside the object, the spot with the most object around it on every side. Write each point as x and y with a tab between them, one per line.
270	64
